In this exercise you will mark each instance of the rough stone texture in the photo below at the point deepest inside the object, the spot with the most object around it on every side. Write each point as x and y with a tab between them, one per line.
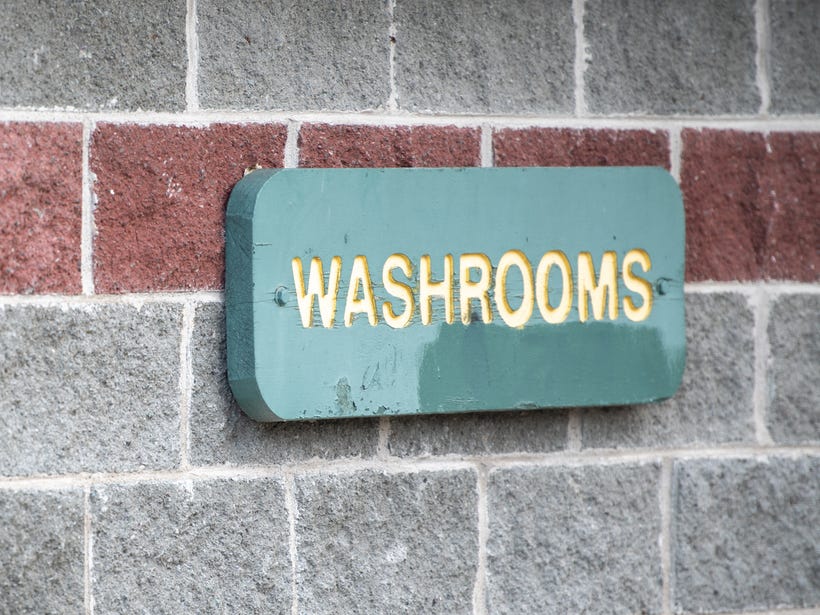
191	547
498	57
564	147
161	197
294	55
795	56
41	552
222	434
793	414
112	54
746	534
89	388
752	204
537	431
574	540
395	543
714	402
40	207
325	145
671	57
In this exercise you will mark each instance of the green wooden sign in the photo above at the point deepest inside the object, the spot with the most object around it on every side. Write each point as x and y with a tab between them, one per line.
358	292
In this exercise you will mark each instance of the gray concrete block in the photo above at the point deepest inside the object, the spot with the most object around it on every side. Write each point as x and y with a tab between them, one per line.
793	414
498	57
689	58
746	534
220	433
294	55
535	431
89	388
574	540
41	551
714	403
795	56
191	547
387	543
112	54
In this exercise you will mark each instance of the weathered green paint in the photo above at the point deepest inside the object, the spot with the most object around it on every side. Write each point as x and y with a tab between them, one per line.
280	370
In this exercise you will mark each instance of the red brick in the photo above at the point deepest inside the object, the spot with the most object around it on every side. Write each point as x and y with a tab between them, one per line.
40	208
324	145
752	205
792	188
565	147
161	197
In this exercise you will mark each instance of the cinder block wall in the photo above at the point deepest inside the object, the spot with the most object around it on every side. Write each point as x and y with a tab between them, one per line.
130	482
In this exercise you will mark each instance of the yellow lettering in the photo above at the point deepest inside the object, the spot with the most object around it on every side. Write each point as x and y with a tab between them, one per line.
316	288
469	290
519	317
429	289
397	289
637	285
597	293
606	286
553	315
367	304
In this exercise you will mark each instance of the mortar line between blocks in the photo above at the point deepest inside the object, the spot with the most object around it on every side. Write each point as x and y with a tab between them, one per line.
185	384
580	65
392	97
410	465
192	46
665	539
574	431
675	152
750	288
88	598
383	447
290	503
762	56
205	117
761	308
776	611
487	155
480	587
131	299
86	215
290	157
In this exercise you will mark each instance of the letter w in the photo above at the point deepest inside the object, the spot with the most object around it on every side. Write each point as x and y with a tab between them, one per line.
316	288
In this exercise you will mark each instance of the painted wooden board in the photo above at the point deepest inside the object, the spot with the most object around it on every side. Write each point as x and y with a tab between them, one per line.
358	292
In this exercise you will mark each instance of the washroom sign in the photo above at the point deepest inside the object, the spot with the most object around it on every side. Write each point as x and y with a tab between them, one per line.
360	292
